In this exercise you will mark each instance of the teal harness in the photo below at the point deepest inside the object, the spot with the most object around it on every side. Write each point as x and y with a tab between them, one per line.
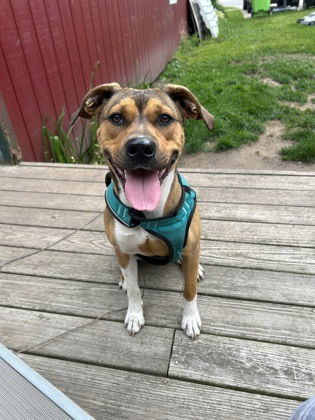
173	230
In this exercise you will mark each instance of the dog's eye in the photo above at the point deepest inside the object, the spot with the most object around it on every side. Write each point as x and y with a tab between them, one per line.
117	119
165	119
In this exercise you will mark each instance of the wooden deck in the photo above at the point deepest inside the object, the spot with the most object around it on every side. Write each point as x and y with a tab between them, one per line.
62	312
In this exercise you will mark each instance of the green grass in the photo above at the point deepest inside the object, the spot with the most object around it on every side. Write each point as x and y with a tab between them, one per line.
225	74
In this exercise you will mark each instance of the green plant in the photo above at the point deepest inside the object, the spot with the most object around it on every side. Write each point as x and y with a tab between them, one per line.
65	147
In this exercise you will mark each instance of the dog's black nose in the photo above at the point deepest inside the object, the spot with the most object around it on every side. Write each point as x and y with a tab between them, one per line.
140	148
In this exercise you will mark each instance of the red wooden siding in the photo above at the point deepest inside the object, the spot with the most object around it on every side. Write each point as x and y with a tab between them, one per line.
49	48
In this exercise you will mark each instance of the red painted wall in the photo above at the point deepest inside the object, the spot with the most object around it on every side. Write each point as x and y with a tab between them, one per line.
49	48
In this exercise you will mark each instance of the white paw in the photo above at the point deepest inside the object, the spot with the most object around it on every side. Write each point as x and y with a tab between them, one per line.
191	321
134	320
201	273
191	325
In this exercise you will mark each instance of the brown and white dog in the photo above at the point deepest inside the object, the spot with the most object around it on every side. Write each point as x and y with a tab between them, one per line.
141	135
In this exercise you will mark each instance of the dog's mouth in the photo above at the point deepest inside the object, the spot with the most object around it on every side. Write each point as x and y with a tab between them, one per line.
142	186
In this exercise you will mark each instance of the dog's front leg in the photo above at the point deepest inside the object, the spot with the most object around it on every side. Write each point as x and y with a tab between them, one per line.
129	266
191	321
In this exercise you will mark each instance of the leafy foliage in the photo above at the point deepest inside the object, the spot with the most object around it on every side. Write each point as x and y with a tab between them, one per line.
64	147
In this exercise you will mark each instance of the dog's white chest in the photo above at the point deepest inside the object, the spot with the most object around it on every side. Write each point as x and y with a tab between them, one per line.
129	239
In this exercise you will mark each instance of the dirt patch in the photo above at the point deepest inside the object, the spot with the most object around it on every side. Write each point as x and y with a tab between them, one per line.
263	154
309	104
269	82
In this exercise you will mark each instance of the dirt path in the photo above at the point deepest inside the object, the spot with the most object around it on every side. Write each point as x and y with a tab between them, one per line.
263	154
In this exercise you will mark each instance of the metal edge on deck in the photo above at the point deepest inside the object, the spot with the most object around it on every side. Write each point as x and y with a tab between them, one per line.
53	393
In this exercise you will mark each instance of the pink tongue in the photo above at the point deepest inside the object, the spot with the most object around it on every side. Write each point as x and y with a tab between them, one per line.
142	189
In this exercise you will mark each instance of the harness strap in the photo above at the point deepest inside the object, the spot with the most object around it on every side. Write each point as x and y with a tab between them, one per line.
173	230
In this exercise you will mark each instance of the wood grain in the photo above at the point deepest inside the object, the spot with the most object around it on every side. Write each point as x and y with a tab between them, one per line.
211	230
44	200
247	179
249	284
7	253
236	195
256	303
45	217
30	236
259	233
258	213
52	186
66	265
249	365
252	181
265	257
97	267
102	342
276	323
213	211
99	390
239	195
182	169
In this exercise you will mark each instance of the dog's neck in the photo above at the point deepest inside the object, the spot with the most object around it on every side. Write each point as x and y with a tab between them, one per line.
170	197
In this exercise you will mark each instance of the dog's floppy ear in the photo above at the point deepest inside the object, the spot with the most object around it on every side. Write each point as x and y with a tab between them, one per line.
189	104
93	100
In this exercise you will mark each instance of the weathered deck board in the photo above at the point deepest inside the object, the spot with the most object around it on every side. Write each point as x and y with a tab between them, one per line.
65	265
31	236
258	213
216	211
256	303
249	365
92	172
247	213
220	361
97	188
214	230
82	202
253	181
8	254
91	267
255	196
45	217
217	360
185	169
226	230
101	342
222	316
257	285
116	394
302	182
42	200
52	186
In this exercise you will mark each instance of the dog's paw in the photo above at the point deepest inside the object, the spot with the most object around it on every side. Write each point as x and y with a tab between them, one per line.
191	321
134	320
180	260
201	273
191	325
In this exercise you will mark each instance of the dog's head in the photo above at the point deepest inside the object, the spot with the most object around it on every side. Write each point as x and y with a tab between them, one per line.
141	134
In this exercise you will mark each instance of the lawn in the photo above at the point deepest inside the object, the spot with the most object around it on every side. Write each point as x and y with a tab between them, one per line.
227	76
